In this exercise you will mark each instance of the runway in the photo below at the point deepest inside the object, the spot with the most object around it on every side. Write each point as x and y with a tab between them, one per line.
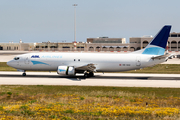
100	79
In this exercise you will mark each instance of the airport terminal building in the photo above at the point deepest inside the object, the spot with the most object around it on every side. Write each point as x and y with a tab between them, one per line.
141	42
99	44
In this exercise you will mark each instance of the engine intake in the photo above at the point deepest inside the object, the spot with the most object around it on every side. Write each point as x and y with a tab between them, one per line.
66	70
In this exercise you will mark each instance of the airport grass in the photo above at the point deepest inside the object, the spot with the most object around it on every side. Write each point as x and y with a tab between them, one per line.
5	67
159	69
88	102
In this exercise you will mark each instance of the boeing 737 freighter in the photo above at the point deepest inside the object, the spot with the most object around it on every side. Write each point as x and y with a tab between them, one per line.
88	63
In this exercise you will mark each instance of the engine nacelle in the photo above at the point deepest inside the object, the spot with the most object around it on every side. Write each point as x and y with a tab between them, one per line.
66	70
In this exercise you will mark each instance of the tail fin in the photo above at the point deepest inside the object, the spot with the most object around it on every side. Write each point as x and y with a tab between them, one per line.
158	45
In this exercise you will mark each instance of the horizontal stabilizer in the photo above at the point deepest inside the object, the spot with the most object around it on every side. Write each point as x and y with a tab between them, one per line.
166	56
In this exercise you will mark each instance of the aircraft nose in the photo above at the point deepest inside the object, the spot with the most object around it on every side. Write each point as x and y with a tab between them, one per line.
9	63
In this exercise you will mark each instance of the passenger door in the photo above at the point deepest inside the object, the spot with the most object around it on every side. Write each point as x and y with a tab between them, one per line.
26	60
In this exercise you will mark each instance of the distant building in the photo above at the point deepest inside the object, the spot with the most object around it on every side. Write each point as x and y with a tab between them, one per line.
141	42
106	40
47	46
107	44
94	44
17	46
138	43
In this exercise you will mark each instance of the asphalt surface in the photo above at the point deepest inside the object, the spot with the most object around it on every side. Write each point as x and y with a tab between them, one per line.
100	79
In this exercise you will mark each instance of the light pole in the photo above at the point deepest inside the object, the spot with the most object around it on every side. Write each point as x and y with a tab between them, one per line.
75	25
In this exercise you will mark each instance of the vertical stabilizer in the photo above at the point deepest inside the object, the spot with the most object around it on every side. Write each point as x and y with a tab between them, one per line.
158	45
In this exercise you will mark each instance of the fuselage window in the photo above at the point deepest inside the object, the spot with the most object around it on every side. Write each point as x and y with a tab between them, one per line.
78	59
74	59
16	58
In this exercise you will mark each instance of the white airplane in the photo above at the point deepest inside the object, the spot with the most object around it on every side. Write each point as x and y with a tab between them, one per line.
88	63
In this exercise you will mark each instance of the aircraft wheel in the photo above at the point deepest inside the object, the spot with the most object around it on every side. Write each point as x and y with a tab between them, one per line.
86	75
24	74
91	74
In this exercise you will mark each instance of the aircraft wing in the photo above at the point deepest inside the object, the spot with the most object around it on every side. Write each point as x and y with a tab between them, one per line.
89	67
166	56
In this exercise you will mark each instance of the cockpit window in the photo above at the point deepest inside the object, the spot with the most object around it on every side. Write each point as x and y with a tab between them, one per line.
16	58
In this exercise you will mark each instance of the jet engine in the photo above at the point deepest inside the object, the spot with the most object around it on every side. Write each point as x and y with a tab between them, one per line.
66	70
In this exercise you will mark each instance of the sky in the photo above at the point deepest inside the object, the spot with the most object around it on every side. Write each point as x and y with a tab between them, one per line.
53	20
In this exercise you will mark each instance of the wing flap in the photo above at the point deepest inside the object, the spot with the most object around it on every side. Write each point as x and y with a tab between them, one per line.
89	67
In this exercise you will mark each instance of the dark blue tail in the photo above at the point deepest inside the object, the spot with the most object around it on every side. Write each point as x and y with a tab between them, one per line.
158	45
162	37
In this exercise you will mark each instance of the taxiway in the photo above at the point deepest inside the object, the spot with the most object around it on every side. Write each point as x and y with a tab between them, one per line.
100	79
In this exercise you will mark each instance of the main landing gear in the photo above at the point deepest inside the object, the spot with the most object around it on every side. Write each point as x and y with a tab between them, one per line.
90	74
24	73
